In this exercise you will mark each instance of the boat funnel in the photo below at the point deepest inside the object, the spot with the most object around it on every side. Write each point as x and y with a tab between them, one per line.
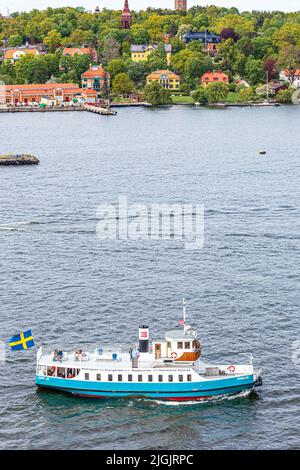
143	338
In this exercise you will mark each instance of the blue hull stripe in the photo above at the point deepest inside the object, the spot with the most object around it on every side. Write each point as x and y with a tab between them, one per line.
193	389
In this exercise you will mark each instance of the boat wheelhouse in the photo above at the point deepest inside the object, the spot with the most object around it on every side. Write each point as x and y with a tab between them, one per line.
170	368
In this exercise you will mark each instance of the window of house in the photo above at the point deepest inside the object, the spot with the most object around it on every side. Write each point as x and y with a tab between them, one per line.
140	378
130	378
189	378
170	378
160	378
150	378
180	378
87	376
120	378
110	377
180	345
99	377
187	345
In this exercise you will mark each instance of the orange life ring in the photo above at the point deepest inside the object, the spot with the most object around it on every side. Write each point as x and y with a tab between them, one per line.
231	368
174	355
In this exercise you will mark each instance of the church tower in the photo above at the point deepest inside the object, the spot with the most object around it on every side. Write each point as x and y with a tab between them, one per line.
126	18
181	5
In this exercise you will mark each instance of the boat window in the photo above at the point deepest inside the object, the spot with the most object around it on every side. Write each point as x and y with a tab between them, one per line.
71	373
180	378
170	378
180	345
130	378
187	345
140	378
160	378
189	378
120	378
150	378
51	371
42	370
61	372
98	377
87	376
110	377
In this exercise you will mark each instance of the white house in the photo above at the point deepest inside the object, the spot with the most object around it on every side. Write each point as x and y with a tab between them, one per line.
284	75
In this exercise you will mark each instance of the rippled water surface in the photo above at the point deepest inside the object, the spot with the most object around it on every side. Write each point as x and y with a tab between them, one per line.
59	279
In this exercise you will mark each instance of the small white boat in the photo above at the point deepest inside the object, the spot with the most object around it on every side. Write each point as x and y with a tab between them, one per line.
165	369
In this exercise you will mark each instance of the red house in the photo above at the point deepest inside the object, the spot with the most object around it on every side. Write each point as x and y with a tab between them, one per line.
214	77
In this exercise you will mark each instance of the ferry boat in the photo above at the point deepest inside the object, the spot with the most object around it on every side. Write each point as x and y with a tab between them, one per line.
163	369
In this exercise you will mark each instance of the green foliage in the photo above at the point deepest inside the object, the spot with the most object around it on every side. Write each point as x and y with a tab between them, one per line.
262	36
122	85
199	95
216	92
285	96
156	95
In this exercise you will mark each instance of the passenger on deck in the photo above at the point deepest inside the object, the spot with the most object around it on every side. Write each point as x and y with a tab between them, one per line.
55	355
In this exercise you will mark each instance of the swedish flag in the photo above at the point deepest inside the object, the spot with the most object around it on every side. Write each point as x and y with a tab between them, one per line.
24	340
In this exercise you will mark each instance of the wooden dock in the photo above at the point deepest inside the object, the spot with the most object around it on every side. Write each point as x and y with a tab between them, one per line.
24	159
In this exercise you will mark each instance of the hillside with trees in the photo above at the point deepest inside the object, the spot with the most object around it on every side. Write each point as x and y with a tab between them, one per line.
253	43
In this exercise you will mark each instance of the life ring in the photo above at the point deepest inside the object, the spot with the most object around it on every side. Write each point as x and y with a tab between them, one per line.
174	355
231	369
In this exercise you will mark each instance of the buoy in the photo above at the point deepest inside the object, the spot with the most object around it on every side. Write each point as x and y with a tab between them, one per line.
262	152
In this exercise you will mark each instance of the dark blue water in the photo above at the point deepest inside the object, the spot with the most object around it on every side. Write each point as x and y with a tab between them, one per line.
59	279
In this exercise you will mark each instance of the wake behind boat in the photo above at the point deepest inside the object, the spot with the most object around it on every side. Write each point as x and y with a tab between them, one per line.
165	369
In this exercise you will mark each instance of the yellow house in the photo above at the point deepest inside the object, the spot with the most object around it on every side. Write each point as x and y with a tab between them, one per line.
140	52
166	78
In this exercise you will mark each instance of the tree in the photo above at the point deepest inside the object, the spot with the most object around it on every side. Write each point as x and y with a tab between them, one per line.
115	67
229	33
111	50
156	95
254	71
122	85
285	96
289	60
53	40
270	67
137	72
199	95
216	92
15	40
246	94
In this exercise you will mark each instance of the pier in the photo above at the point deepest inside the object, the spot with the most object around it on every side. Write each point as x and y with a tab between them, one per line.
24	159
100	110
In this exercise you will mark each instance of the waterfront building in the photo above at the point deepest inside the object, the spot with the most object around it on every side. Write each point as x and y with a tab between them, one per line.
181	5
166	78
209	40
214	77
96	78
90	51
12	55
293	79
55	92
140	52
126	18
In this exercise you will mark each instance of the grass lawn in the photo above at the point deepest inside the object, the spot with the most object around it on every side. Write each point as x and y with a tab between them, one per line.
182	99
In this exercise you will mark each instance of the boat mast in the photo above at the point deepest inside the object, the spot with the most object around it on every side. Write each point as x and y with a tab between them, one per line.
184	312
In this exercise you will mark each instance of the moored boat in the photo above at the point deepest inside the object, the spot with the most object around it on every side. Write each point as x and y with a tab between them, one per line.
164	369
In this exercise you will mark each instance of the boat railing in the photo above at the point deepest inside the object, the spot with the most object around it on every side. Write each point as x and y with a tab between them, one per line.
232	357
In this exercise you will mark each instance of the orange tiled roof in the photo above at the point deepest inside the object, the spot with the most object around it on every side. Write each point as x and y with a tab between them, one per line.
95	71
287	73
78	50
9	54
49	86
158	73
209	76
